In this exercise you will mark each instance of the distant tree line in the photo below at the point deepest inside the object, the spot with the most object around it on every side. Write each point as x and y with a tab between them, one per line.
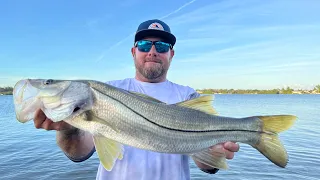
6	90
287	90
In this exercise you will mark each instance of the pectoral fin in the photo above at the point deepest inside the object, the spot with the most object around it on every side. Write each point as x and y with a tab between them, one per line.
108	151
214	159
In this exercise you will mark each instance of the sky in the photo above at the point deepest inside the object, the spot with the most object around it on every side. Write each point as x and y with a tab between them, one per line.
236	44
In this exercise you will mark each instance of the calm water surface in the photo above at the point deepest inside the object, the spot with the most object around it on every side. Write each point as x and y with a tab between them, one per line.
29	153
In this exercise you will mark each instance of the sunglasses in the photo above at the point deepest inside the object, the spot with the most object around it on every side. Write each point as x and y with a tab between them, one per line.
146	45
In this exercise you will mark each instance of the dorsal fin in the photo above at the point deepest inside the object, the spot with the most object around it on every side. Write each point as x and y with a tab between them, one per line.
202	103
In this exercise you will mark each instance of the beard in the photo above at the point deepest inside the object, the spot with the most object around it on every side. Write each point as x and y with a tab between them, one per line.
151	72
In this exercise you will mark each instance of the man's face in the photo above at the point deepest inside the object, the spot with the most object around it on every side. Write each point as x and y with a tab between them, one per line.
152	65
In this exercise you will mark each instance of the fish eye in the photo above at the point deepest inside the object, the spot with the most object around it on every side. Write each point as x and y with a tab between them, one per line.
48	81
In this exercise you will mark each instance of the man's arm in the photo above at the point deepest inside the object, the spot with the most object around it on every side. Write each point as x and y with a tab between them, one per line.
76	144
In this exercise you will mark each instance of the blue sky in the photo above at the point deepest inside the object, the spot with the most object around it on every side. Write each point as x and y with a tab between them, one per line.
220	43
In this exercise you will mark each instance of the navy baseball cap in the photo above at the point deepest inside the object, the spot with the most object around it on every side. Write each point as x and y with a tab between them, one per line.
156	28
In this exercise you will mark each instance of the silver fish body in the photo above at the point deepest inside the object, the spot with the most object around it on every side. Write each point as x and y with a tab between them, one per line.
115	116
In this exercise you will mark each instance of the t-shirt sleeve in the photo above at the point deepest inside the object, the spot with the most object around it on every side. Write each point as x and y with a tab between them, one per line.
116	83
192	94
122	83
112	83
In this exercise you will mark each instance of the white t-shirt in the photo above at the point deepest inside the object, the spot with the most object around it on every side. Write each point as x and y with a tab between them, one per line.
138	164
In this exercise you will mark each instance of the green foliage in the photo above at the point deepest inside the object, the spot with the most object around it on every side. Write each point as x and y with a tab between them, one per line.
317	88
288	90
6	90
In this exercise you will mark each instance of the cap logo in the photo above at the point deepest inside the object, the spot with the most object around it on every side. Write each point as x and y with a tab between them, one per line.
156	26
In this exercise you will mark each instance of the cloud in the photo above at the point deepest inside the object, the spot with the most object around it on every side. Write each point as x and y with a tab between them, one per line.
222	12
224	18
244	51
177	10
102	56
296	64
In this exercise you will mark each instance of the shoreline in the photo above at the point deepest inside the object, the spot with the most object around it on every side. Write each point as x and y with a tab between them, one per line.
259	94
247	91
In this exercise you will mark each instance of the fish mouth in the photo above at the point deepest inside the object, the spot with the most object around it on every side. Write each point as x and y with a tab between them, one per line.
24	100
23	91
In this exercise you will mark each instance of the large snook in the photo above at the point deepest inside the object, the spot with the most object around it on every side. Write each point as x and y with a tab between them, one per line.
115	117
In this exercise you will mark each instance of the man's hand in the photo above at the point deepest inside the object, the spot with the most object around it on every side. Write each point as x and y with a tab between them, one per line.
229	148
42	122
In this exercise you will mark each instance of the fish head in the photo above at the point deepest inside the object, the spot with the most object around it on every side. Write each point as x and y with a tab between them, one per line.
58	99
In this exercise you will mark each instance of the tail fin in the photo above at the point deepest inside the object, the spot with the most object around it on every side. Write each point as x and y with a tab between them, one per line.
277	123
269	144
271	147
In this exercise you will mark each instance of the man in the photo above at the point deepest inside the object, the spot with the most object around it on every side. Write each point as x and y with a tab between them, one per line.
152	53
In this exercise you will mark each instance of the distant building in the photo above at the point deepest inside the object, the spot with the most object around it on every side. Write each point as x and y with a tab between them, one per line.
315	92
296	92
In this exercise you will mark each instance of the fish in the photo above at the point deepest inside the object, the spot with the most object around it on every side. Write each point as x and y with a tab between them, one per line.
116	117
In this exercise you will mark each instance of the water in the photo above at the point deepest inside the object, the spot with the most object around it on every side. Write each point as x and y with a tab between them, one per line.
29	153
